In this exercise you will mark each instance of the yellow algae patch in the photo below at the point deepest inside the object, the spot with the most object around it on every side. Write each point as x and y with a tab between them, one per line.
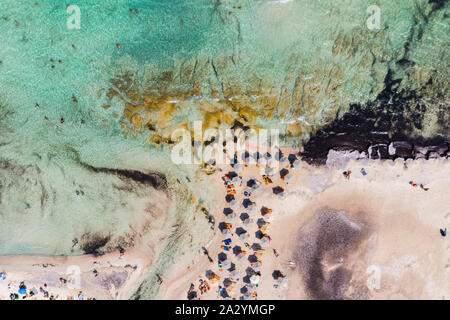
134	94
295	129
248	114
134	108
137	122
127	114
156	139
215	117
112	93
123	82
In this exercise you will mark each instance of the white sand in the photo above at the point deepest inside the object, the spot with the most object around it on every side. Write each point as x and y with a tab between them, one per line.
403	254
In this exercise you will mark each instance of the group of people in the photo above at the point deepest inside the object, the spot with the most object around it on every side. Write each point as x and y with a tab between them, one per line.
23	292
232	182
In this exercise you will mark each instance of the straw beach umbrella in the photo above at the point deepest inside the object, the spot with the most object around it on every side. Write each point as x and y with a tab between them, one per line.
234	204
234	274
226	264
288	178
254	279
243	236
236	181
252	209
284	162
240	257
231	216
265	241
270	171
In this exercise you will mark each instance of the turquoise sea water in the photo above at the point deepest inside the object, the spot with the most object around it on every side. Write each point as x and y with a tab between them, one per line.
276	45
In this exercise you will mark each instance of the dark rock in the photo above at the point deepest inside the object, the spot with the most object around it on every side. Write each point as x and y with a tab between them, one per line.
403	149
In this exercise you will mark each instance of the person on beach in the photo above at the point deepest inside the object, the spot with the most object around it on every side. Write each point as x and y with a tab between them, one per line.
75	242
159	279
347	174
443	232
363	172
205	252
275	253
121	251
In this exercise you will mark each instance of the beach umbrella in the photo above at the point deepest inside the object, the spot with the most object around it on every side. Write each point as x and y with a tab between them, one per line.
246	296
226	233
254	279
256	155
267	156
236	181
234	204
240	256
270	171
278	190
247	221
268	216
297	164
243	236
257	266
239	167
234	274
272	163
252	209
282	282
265	241
282	196
284	162
226	264
231	216
262	162
278	155
288	178
251	183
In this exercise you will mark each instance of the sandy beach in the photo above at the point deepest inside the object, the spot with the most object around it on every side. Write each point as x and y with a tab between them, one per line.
368	236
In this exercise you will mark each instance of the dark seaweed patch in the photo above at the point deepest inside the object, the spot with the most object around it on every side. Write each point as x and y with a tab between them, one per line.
92	243
332	236
155	179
